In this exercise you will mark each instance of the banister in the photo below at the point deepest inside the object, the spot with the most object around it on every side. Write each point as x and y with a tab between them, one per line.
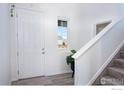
95	39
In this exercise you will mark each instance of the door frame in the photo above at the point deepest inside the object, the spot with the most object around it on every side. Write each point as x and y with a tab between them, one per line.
14	36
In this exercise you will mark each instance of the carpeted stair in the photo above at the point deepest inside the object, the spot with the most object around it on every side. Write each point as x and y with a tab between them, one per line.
113	74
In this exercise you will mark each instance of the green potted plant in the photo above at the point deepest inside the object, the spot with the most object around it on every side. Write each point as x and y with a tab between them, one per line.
70	61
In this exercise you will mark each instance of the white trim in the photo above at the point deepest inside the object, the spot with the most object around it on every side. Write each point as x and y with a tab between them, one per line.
94	40
13	56
76	78
106	63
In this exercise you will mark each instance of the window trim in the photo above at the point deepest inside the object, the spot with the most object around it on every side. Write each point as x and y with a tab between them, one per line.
68	32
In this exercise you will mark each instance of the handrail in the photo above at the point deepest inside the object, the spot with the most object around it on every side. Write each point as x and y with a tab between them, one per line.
94	40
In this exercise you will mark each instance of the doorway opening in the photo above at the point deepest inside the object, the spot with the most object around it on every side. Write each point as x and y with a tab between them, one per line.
100	26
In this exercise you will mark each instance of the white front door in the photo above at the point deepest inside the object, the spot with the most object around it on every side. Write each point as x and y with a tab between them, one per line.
30	26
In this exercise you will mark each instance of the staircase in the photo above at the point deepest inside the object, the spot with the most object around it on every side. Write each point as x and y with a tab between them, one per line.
93	57
113	74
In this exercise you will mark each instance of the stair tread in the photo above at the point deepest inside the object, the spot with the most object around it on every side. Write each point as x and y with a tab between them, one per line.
122	54
109	80
119	59
117	69
122	51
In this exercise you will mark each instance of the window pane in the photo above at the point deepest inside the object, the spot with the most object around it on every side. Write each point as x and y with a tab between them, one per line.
59	22
62	23
62	34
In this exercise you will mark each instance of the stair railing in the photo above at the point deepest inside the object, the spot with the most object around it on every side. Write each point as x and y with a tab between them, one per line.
90	58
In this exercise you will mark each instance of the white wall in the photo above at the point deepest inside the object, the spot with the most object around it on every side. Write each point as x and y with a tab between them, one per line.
55	58
94	13
81	20
4	45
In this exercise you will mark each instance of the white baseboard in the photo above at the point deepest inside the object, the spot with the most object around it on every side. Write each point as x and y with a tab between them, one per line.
105	64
